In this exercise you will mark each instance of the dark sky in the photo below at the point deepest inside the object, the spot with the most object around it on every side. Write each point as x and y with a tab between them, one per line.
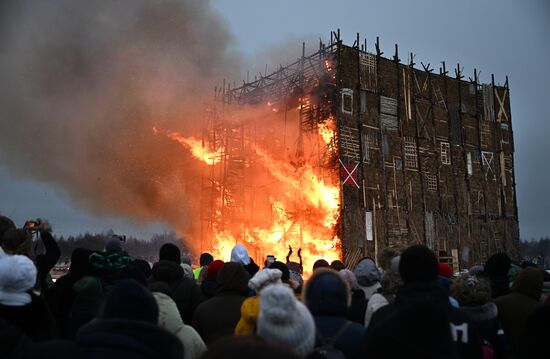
503	37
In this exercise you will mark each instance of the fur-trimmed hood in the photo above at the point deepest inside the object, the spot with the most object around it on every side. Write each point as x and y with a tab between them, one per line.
487	311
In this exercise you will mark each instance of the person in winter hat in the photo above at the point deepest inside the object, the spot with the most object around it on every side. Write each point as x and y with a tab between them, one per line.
496	268
218	316
239	254
111	260
327	296
445	279
516	307
285	321
474	297
420	323
17	278
127	327
185	292
18	304
19	241
204	260
209	285
368	276
356	311
250	308
169	319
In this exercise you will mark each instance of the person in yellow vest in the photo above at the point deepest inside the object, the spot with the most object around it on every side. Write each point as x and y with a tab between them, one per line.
204	261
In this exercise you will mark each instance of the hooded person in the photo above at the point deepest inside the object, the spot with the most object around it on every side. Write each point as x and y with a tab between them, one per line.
217	317
170	320
62	295
356	311
250	308
209	285
474	297
497	268
185	292
516	307
285	321
420	323
127	327
327	296
239	254
19	306
368	276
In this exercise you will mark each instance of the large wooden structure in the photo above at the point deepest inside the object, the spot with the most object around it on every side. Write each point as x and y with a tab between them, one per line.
425	156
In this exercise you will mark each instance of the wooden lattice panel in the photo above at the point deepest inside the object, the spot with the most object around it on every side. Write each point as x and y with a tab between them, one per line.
350	147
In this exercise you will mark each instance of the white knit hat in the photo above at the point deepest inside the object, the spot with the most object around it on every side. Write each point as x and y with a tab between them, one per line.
285	321
265	277
17	276
239	254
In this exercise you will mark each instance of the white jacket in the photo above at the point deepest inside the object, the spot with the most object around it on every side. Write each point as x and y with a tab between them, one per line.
376	302
170	319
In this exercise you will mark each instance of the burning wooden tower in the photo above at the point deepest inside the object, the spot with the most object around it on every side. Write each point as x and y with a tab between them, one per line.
421	157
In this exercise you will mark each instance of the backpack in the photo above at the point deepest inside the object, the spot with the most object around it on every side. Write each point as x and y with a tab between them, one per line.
327	348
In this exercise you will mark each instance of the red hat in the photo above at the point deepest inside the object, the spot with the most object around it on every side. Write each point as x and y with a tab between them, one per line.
213	269
445	270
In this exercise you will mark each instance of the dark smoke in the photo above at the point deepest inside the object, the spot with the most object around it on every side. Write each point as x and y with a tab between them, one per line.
83	82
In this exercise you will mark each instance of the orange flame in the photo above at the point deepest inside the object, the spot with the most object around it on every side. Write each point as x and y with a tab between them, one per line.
326	130
196	146
306	210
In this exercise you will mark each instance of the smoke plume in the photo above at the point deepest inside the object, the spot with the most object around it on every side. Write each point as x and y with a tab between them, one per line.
82	85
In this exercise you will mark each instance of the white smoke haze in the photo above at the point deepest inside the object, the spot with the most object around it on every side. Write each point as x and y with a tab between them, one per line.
82	84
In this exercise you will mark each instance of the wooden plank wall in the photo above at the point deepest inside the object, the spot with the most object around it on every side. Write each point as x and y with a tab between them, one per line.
466	204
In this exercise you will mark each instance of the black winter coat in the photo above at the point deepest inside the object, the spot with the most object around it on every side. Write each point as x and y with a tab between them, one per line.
185	292
421	324
218	316
14	344
127	339
486	318
356	312
349	342
34	319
